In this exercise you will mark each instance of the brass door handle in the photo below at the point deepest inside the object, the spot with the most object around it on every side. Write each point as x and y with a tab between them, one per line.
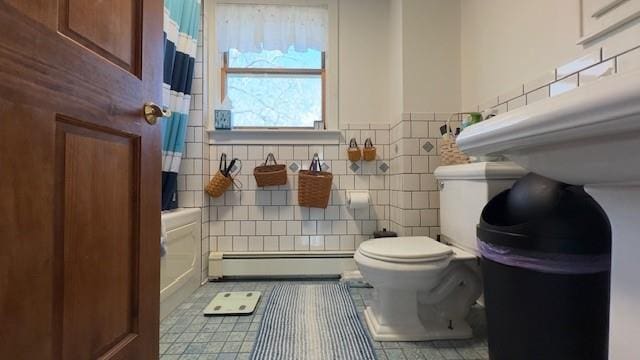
152	112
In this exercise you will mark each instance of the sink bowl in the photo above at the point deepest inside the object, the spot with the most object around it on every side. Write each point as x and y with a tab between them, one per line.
588	136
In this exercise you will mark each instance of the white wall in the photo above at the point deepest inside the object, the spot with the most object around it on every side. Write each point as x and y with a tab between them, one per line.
398	56
508	42
396	96
364	58
431	55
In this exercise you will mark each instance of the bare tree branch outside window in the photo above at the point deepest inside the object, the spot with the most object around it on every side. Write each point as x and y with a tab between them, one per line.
275	89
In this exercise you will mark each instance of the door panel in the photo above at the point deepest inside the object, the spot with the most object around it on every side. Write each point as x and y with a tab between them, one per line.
95	294
79	266
110	28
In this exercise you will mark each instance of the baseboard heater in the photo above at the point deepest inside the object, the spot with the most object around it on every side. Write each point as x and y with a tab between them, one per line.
279	264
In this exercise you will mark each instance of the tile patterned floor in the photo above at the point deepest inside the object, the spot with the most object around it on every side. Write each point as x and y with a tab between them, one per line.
187	335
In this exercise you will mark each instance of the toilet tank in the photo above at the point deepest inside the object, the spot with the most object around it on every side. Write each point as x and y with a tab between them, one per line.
464	191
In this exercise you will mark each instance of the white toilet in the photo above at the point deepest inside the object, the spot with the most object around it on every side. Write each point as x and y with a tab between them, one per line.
424	288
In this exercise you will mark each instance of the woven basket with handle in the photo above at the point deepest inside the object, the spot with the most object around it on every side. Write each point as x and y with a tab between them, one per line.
450	153
223	179
218	184
353	152
314	185
369	151
270	175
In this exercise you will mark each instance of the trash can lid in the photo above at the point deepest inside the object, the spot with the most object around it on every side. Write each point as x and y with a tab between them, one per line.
544	215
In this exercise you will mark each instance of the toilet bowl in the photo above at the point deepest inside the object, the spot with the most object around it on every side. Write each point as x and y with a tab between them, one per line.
423	289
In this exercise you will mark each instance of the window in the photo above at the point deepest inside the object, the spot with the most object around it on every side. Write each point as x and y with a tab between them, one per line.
276	61
276	89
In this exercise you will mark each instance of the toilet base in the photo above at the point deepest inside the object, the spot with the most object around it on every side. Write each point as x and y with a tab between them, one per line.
414	330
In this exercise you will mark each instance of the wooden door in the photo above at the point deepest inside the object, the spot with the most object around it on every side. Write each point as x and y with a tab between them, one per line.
79	179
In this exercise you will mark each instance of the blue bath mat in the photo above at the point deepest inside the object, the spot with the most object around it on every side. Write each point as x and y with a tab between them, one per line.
309	322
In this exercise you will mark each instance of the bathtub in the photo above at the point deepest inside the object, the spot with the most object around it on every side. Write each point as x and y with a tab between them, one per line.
180	268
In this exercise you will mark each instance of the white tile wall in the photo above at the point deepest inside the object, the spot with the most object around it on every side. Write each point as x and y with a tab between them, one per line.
586	69
517	103
404	198
194	167
563	85
576	65
269	219
413	195
597	72
537	95
629	61
541	81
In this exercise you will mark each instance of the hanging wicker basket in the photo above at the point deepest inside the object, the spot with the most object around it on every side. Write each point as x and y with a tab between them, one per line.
314	185
353	152
270	175
220	182
450	153
218	185
369	151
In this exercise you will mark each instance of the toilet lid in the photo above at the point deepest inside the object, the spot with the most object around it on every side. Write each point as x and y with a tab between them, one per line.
405	249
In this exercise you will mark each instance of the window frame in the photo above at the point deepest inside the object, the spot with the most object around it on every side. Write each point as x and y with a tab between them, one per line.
212	59
225	70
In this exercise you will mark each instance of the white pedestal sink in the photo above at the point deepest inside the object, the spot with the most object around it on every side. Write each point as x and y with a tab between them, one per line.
589	136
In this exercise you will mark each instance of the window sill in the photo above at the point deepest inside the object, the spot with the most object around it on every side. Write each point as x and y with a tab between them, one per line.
273	136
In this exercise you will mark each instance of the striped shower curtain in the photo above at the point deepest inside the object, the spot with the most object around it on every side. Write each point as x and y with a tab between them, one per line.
181	26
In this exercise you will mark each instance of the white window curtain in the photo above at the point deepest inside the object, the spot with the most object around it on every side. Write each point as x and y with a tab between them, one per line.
252	28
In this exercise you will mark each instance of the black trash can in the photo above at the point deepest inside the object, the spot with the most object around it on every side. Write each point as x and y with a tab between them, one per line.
546	250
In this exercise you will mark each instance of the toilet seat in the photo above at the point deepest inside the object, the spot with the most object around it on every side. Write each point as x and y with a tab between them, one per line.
413	249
